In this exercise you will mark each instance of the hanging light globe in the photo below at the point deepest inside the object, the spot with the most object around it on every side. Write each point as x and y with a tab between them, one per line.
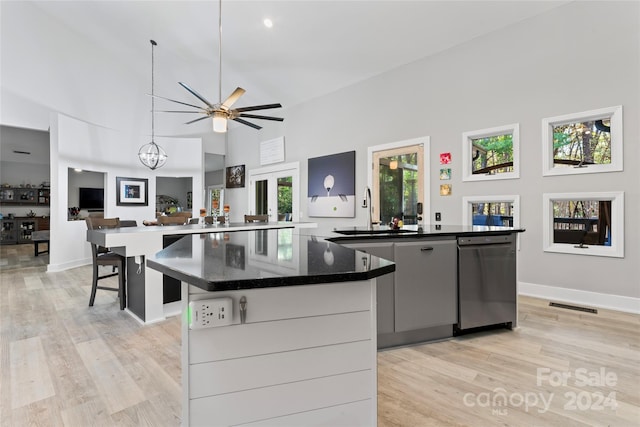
152	155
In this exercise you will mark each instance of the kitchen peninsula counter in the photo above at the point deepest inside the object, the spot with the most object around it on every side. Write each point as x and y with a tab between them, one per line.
298	343
449	279
147	298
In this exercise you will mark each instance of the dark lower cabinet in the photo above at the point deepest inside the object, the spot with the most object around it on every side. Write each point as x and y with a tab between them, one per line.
170	287
136	287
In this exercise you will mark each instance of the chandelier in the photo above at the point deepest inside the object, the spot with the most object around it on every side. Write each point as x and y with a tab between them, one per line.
151	154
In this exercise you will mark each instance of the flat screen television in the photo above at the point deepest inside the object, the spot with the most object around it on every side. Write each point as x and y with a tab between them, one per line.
91	198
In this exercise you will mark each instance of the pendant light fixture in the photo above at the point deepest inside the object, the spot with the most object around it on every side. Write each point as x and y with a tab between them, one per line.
152	155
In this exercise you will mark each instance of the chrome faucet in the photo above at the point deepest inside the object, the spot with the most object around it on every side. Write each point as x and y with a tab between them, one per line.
366	203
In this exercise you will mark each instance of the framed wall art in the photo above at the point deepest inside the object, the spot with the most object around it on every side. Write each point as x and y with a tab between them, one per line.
331	188
132	191
235	176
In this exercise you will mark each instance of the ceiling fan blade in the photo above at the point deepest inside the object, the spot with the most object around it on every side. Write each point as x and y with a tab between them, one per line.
196	94
253	116
232	98
196	120
177	102
177	111
257	107
244	122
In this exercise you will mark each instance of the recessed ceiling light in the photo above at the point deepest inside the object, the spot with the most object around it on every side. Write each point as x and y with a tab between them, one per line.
268	23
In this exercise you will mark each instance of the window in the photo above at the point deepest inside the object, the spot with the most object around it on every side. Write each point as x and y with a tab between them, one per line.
584	223
398	180
503	211
587	142
215	197
493	153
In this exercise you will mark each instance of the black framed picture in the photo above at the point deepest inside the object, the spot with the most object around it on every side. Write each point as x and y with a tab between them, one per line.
132	191
235	176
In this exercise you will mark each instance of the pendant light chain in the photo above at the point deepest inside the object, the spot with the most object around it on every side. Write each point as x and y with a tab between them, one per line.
152	155
220	51
153	99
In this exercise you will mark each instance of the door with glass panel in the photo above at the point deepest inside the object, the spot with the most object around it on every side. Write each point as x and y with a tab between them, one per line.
274	192
399	183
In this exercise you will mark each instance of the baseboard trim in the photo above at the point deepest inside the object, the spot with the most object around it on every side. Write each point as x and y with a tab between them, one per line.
56	268
575	296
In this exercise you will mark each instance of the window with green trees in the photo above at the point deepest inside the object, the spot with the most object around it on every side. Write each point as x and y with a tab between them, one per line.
587	142
491	153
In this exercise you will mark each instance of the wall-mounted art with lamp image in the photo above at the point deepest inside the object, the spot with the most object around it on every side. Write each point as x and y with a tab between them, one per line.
332	186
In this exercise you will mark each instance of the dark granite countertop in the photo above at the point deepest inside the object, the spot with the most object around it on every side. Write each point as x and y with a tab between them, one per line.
346	234
264	258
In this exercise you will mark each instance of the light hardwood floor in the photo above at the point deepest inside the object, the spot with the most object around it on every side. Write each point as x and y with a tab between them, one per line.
63	363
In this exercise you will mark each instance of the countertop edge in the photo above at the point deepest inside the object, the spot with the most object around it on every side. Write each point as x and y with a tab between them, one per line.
271	282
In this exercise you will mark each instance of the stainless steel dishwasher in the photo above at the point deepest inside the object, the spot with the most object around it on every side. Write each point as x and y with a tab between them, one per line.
486	281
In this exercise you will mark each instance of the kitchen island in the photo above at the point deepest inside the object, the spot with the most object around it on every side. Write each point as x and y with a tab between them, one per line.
150	296
278	328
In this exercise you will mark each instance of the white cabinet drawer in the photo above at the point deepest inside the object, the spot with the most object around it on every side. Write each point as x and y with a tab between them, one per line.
228	342
207	379
282	400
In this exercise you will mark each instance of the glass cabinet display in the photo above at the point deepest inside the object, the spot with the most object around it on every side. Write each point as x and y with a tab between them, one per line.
8	232
25	227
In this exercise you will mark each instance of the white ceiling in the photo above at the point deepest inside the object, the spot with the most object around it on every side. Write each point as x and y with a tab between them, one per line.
313	49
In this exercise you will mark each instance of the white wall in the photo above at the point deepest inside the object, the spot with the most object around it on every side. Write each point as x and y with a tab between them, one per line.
78	144
579	57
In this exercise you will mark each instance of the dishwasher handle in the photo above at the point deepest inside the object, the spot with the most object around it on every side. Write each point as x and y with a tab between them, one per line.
486	240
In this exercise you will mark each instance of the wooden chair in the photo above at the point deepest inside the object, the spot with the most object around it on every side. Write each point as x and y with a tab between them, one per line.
103	256
172	220
256	218
209	220
186	215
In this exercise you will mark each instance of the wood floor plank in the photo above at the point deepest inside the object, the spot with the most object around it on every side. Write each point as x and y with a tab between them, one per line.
117	388
30	376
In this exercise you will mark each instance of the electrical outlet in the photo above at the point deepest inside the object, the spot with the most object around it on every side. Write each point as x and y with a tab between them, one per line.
209	313
438	216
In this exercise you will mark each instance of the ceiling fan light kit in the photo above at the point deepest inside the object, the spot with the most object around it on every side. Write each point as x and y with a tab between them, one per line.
221	112
219	122
152	155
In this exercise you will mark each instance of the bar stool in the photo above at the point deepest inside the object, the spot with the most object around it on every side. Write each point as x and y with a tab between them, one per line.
103	256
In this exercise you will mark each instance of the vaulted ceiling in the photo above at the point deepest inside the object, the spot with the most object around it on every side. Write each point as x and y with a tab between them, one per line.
92	59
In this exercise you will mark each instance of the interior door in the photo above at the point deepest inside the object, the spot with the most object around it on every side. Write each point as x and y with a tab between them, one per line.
274	192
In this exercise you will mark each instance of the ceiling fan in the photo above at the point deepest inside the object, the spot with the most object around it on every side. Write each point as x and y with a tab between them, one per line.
222	111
